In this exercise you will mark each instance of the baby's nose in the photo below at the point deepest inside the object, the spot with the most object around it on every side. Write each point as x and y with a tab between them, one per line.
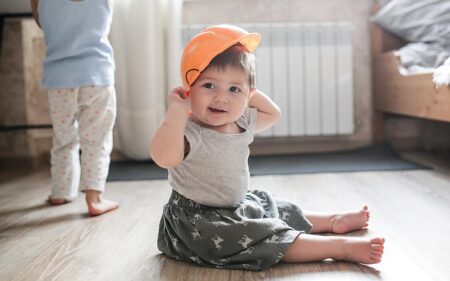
221	96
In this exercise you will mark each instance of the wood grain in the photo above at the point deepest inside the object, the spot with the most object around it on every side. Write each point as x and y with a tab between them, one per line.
411	209
413	95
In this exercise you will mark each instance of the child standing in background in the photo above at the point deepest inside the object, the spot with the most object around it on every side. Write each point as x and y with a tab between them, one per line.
79	77
212	219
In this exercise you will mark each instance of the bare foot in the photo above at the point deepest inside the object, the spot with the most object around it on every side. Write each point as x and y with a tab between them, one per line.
346	222
57	201
362	250
98	205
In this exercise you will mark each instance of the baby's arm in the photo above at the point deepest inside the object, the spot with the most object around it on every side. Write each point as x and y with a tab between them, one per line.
268	112
167	146
34	8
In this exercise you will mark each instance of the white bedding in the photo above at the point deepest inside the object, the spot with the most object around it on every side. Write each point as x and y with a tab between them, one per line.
442	74
425	24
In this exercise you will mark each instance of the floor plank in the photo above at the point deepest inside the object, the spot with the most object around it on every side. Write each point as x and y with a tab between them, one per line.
411	209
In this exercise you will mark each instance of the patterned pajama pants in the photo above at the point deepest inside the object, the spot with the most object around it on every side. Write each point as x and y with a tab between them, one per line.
82	118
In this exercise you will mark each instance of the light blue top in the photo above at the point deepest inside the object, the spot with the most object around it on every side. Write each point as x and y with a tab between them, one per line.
78	49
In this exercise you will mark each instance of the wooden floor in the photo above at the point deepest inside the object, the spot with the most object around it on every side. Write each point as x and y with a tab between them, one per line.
411	209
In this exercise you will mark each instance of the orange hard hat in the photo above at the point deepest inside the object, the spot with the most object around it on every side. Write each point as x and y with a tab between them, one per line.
212	41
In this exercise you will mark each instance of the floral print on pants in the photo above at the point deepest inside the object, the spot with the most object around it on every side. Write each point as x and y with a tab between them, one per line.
83	118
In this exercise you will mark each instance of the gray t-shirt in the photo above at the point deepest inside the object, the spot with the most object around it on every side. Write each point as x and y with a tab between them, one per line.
215	172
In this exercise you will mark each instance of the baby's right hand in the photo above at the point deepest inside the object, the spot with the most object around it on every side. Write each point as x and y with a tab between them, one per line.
178	95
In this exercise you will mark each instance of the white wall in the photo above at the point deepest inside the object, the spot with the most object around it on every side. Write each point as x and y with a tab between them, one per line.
355	11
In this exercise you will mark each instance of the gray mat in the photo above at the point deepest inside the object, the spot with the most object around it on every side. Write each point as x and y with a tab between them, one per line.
371	158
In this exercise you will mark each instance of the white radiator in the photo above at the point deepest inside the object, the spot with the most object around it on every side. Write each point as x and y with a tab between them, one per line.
306	68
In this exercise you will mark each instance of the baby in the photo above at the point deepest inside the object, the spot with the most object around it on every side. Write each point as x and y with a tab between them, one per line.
212	219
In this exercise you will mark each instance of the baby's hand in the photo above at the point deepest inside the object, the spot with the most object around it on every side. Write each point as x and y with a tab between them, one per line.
179	95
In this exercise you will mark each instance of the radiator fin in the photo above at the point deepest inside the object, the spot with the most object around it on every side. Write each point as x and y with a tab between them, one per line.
306	68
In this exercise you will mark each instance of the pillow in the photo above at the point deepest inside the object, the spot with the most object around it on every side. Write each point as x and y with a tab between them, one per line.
417	20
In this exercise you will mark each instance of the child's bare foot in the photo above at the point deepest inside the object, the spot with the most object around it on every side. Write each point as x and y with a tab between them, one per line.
98	205
57	201
362	250
346	222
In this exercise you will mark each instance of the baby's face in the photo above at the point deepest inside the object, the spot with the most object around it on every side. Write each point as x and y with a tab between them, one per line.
219	97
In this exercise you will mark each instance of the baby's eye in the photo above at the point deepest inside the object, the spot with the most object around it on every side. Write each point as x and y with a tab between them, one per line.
209	86
234	89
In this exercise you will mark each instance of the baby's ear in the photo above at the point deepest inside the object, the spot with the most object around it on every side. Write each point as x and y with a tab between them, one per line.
252	92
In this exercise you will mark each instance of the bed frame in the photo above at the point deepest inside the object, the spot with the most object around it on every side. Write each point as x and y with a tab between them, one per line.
412	95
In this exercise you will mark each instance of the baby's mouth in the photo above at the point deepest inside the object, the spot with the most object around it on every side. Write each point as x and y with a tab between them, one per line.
216	110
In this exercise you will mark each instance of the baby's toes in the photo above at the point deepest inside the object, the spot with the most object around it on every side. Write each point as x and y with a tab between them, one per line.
377	246
375	259
377	241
